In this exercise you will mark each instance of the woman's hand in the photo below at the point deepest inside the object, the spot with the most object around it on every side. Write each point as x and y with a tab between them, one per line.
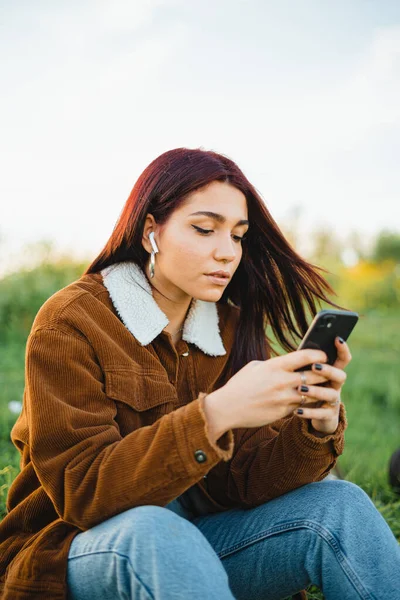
261	392
325	418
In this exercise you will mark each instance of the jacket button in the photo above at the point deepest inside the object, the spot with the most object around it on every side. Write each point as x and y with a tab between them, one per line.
200	456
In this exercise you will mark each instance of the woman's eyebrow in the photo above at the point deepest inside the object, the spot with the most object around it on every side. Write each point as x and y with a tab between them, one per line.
219	218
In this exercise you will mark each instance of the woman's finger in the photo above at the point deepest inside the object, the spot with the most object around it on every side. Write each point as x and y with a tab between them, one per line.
330	372
313	392
300	358
319	414
343	354
307	377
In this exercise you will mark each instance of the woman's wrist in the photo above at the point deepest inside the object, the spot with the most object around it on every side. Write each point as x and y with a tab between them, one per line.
328	428
213	407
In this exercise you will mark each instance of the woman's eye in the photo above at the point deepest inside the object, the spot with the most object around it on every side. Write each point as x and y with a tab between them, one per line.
202	231
237	238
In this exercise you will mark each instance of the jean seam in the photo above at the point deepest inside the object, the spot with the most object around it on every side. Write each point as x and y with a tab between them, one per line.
324	533
71	558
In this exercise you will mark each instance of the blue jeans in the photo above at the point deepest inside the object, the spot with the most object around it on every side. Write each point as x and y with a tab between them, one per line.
328	533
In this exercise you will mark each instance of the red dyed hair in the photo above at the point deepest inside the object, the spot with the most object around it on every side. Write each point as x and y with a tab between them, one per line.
272	285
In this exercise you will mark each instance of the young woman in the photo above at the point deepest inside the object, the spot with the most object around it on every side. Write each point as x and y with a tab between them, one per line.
167	452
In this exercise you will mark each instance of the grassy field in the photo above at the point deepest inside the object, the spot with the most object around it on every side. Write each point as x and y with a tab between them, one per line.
371	393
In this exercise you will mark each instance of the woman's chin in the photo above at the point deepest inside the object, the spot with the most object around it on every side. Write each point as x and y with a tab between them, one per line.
210	295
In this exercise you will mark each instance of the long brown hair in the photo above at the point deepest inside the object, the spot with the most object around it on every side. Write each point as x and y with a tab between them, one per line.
273	286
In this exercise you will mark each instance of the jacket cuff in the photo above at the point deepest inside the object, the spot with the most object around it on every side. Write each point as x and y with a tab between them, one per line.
331	442
194	444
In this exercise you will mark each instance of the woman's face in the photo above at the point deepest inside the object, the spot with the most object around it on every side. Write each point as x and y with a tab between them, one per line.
186	254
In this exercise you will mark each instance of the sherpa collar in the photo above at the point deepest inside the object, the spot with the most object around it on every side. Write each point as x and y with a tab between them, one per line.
132	298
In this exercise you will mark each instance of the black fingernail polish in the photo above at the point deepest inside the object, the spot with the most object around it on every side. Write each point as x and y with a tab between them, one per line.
304	388
318	366
299	411
341	340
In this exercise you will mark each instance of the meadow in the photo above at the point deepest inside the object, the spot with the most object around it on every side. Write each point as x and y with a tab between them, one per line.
371	393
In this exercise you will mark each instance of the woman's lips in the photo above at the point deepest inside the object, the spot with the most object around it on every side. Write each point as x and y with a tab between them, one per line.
218	280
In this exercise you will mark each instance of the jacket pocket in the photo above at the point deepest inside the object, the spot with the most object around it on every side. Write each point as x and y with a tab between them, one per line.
142	390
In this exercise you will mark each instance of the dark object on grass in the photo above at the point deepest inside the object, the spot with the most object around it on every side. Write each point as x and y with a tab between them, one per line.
394	471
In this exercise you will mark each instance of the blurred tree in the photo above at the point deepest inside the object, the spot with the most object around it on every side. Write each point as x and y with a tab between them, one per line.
387	247
326	246
357	243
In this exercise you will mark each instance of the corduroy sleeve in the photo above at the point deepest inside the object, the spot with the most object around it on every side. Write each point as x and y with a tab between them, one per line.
274	459
86	468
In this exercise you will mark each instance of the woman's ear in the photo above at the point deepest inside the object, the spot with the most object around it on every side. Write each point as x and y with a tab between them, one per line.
150	226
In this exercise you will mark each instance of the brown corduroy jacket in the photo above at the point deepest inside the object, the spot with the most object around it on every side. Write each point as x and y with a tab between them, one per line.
112	418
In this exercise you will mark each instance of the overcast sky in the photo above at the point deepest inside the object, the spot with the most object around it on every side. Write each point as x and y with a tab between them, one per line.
303	94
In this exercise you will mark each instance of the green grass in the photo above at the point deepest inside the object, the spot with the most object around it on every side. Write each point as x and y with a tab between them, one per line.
372	398
371	393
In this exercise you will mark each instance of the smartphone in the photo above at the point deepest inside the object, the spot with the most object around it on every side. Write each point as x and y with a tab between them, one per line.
325	327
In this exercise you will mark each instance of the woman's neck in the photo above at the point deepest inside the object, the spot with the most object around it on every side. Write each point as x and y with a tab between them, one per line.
176	315
176	337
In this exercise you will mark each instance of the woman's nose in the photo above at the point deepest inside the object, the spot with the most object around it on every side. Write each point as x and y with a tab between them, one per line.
226	251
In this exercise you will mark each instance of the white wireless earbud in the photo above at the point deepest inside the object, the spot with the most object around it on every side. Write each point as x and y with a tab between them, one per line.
152	241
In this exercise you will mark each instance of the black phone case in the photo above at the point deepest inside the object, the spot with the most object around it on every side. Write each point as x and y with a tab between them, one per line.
321	336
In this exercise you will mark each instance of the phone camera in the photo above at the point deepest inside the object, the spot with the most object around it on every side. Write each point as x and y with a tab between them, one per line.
327	322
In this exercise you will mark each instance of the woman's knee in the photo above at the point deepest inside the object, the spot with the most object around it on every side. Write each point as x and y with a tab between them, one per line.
150	518
152	527
344	508
134	525
154	533
141	549
344	493
331	503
